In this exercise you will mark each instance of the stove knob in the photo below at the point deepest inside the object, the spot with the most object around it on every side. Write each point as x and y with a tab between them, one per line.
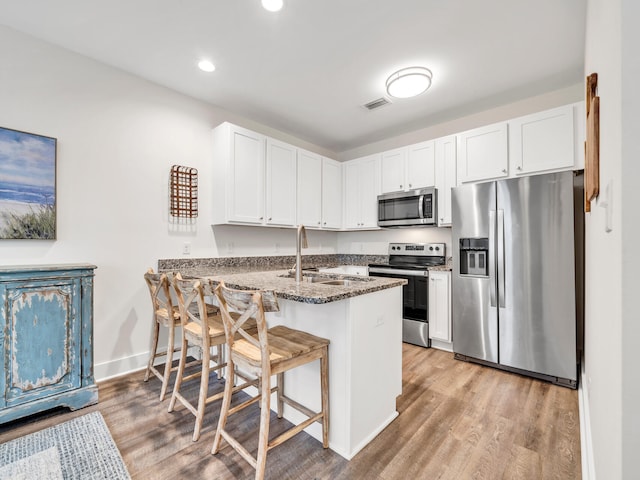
431	249
437	249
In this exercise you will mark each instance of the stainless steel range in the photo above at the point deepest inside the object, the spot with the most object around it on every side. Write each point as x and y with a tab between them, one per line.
411	261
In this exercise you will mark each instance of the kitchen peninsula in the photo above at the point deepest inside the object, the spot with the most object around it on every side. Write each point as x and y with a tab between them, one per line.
362	318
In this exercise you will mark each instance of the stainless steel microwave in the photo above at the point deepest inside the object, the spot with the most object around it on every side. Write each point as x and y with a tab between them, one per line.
408	209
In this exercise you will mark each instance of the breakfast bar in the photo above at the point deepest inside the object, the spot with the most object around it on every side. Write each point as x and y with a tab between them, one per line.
362	318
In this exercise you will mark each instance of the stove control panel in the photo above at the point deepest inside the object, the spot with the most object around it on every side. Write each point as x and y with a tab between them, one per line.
418	249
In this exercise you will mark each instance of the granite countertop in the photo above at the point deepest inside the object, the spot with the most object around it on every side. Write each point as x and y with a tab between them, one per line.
285	287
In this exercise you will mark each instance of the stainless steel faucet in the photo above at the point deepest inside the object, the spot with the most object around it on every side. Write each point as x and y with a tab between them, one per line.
301	242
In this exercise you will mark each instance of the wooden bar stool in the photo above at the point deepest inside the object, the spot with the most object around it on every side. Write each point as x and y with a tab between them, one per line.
269	352
201	327
167	315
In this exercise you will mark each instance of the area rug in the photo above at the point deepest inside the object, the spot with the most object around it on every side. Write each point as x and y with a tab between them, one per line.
81	448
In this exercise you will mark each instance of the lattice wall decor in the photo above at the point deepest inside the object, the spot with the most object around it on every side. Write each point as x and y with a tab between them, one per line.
183	198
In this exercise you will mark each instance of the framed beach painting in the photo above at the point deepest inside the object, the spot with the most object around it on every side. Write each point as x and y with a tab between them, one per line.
27	185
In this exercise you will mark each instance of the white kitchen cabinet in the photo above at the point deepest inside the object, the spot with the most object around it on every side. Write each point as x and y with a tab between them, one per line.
408	168
543	141
280	184
394	165
319	191
254	178
440	306
238	175
331	194
445	176
309	189
361	189
483	154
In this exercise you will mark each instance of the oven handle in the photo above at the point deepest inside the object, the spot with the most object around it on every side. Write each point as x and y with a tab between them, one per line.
399	272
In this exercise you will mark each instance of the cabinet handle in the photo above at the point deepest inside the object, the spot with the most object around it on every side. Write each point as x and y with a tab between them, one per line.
324	223
318	223
269	218
261	218
409	185
504	170
400	186
519	168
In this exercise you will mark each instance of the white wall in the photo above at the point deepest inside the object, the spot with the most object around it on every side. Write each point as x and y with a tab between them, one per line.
612	332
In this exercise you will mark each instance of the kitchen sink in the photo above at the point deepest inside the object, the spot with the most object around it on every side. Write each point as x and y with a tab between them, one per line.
343	282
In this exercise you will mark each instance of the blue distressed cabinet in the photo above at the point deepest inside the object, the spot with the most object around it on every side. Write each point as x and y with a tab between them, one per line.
46	335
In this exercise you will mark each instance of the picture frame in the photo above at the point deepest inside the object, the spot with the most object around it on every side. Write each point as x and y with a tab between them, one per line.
27	185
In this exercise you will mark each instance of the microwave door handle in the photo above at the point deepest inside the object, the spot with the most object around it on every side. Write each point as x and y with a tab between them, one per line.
491	257
421	206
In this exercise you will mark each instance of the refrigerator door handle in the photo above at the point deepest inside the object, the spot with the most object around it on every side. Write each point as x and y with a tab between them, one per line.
501	273
491	259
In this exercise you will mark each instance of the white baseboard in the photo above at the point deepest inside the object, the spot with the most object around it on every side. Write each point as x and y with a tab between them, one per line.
586	444
130	364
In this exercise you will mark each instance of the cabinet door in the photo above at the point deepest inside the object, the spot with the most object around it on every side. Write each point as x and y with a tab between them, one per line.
42	348
246	176
393	170
280	184
369	190
483	153
542	141
421	165
440	306
351	177
309	189
445	170
331	194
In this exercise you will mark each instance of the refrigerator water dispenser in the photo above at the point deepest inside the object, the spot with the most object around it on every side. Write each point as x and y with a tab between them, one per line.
474	256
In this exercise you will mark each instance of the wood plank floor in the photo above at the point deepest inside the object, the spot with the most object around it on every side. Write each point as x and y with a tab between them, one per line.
457	421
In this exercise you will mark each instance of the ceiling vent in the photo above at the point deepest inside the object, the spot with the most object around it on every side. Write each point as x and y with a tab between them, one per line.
380	102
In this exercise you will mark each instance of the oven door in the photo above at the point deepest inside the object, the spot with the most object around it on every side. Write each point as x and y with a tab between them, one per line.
415	302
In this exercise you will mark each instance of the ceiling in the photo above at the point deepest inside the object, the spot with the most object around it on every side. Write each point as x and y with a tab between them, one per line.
309	69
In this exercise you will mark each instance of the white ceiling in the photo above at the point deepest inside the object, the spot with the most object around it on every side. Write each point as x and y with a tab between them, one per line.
308	69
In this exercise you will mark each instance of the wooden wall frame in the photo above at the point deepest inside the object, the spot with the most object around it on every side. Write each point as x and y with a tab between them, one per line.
592	144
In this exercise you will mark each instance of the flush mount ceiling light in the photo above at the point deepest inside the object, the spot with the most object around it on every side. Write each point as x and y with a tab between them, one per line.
409	82
206	66
273	5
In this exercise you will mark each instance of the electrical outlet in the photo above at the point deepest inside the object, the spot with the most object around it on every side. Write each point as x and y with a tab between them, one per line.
186	248
230	247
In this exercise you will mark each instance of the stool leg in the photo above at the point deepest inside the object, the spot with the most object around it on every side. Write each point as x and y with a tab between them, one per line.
154	348
204	390
324	387
280	380
168	363
180	374
265	414
224	409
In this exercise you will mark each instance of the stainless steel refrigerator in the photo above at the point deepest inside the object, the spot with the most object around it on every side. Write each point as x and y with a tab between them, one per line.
517	274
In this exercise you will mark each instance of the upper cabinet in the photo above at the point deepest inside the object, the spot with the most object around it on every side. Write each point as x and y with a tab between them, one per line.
445	173
238	174
280	184
483	153
254	178
551	140
319	179
361	189
331	194
408	168
544	141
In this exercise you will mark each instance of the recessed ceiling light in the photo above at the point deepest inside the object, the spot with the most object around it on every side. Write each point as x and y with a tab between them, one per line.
206	66
273	5
409	82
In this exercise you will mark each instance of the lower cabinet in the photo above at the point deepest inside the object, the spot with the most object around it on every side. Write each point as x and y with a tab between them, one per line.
440	309
47	339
